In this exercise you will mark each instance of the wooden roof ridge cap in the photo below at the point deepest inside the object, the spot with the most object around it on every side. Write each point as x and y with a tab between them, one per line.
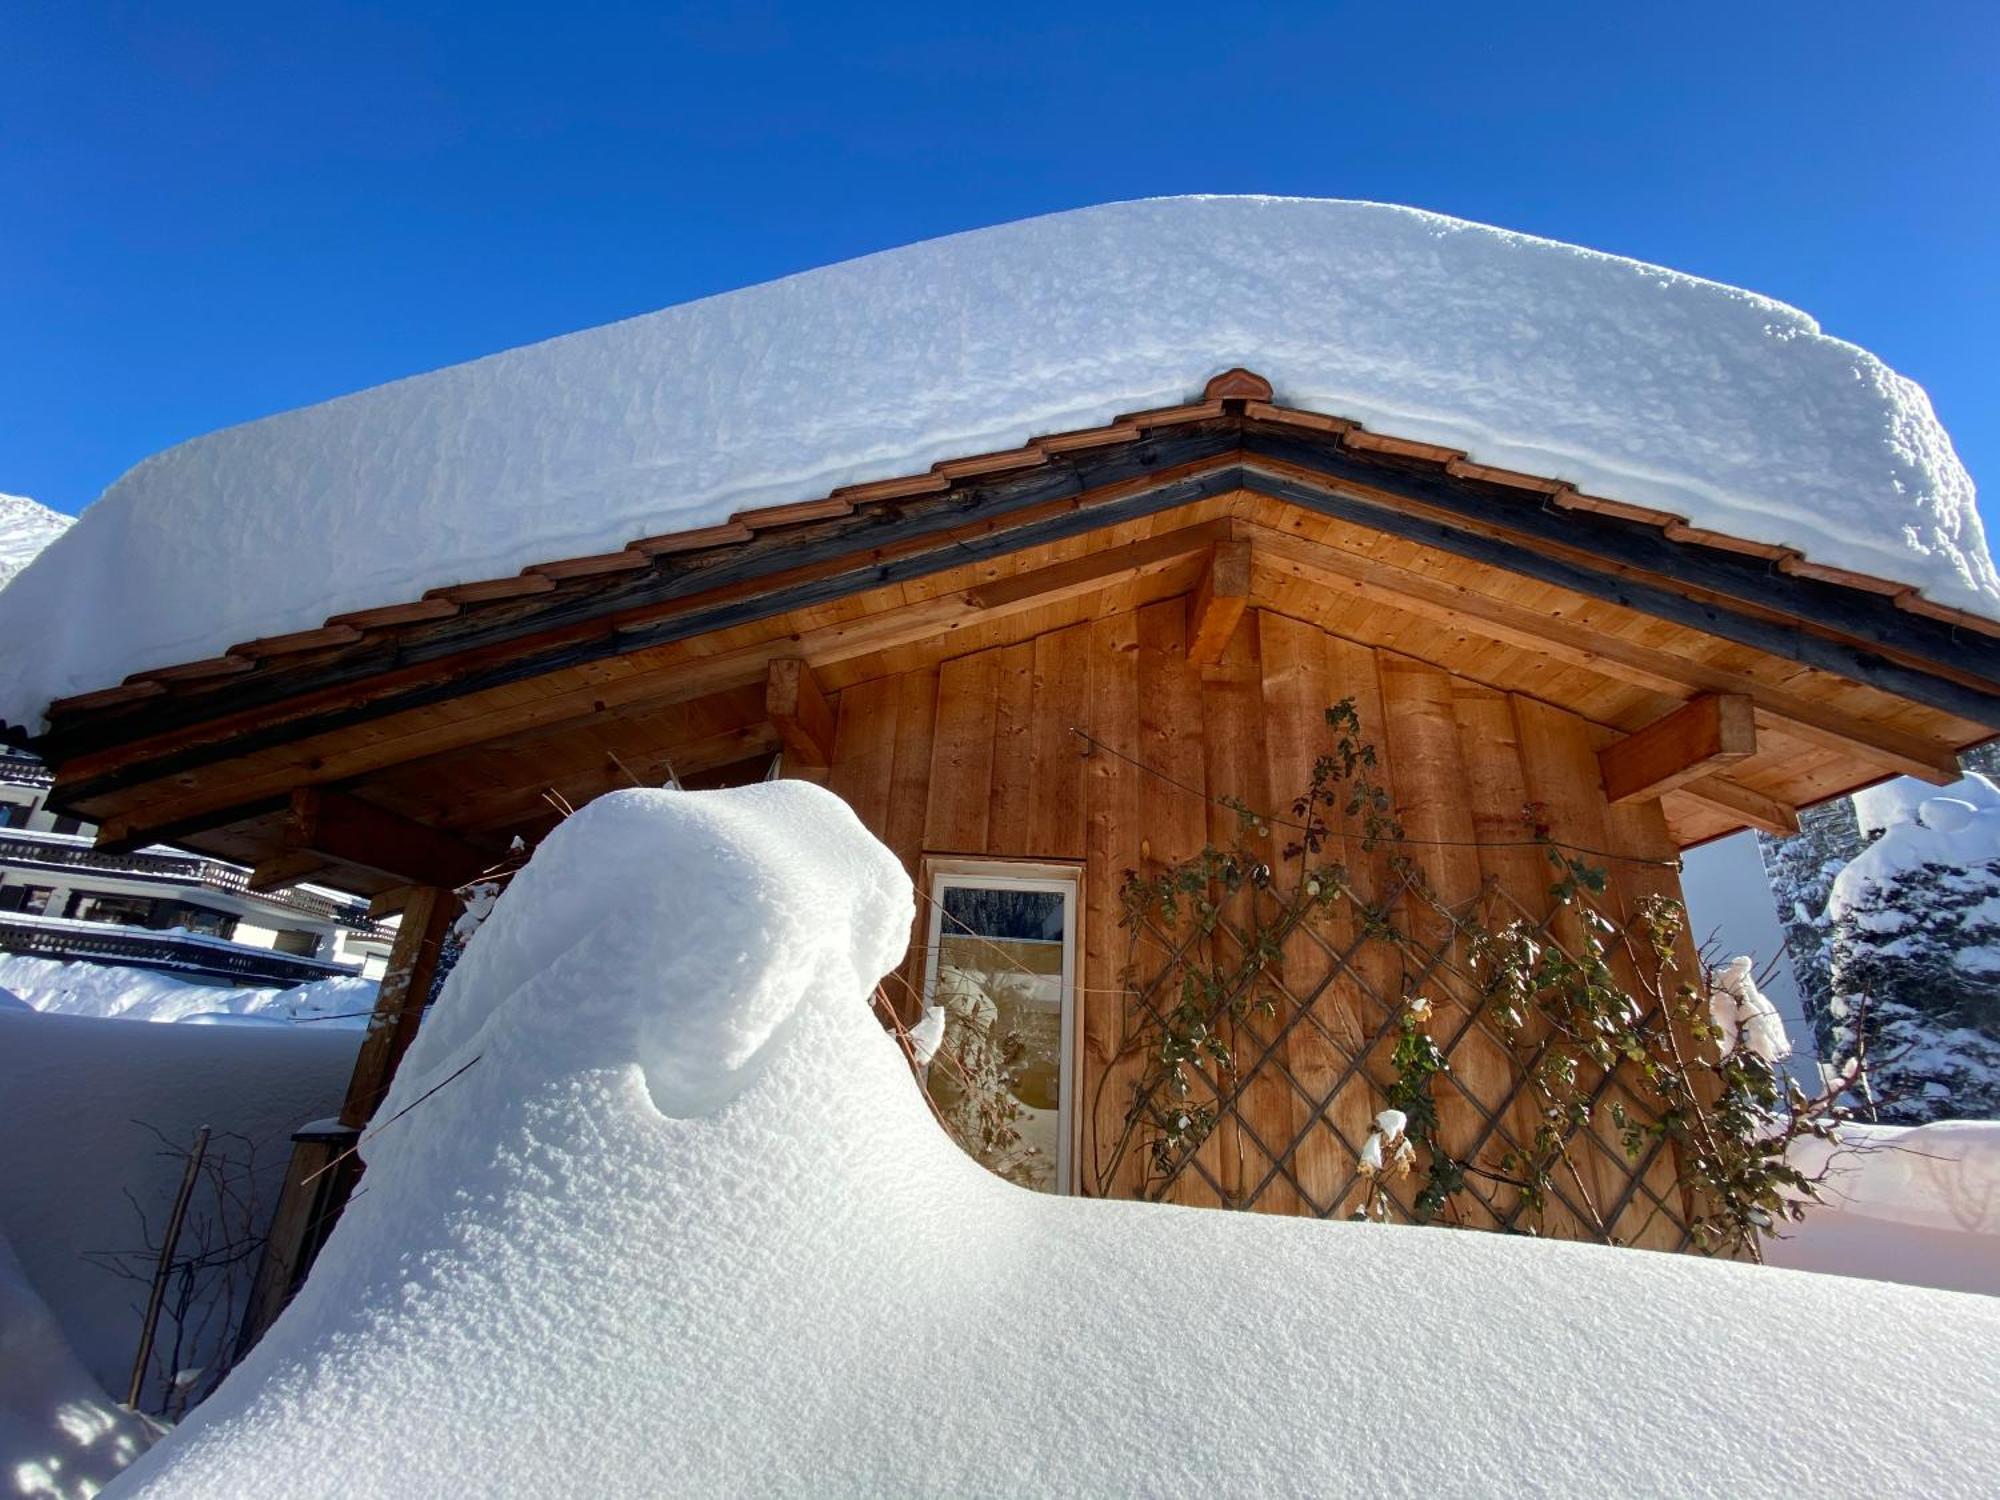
627	559
331	633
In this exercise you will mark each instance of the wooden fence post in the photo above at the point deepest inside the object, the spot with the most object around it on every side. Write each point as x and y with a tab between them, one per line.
321	1174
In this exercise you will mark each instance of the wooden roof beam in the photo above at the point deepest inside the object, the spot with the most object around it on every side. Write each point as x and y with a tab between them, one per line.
288	868
225	798
798	710
1741	804
346	830
1218	602
1698	738
1611	655
1099	570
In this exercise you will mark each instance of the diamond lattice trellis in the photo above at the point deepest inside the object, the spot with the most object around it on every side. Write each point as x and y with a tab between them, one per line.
1281	1124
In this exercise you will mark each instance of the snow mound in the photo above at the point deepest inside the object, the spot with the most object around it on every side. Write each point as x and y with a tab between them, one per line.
26	527
667	1215
1626	379
80	1102
61	1437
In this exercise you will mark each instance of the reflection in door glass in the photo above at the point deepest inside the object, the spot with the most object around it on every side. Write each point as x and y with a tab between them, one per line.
997	1077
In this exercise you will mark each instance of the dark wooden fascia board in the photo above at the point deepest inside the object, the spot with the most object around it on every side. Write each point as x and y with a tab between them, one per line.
1779	638
505	669
583	607
1869	624
611	616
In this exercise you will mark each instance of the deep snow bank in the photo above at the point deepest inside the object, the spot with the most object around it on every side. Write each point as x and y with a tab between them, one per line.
61	1436
76	1096
679	1223
1913	1204
116	992
1629	380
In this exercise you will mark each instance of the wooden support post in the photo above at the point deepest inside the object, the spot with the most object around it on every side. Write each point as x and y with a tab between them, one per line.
323	1171
399	1004
317	1183
346	830
388	903
1695	740
801	715
1218	603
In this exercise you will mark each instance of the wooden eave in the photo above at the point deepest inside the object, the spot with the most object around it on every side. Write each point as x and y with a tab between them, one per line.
158	755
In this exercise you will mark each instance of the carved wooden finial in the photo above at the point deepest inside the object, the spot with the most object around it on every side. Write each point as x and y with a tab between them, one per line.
1237	384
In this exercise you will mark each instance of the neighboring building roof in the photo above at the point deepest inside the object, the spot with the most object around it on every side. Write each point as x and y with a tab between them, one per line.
1653	389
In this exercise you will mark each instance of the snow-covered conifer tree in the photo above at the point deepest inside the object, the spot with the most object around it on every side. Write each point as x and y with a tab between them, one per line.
1913	928
1802	870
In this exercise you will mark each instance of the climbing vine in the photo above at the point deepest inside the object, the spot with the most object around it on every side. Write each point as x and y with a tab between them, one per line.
1620	1046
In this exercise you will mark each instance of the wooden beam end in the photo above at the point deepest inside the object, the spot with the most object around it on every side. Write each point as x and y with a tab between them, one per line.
798	710
1700	737
1218	602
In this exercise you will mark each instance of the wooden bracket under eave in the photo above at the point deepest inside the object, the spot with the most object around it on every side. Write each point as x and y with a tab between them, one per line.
1740	804
1697	739
798	710
1218	602
345	830
285	869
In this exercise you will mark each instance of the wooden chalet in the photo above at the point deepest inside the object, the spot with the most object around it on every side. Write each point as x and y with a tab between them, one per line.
1049	665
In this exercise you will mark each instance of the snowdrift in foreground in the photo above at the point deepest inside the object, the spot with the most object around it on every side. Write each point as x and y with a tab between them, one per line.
116	992
1629	380
79	1102
60	1435
675	1221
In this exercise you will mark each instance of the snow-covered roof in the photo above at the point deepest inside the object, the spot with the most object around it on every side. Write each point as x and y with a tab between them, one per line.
658	1209
1629	381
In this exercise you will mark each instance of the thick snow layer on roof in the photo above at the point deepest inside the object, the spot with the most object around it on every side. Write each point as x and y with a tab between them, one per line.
1630	381
667	1215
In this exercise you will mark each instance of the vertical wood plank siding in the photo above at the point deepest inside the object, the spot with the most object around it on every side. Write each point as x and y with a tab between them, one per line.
978	757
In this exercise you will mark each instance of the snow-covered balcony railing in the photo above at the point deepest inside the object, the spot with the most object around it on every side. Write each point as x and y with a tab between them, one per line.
17	771
175	952
58	851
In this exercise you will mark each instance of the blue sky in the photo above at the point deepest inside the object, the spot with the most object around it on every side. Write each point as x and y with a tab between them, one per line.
215	212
